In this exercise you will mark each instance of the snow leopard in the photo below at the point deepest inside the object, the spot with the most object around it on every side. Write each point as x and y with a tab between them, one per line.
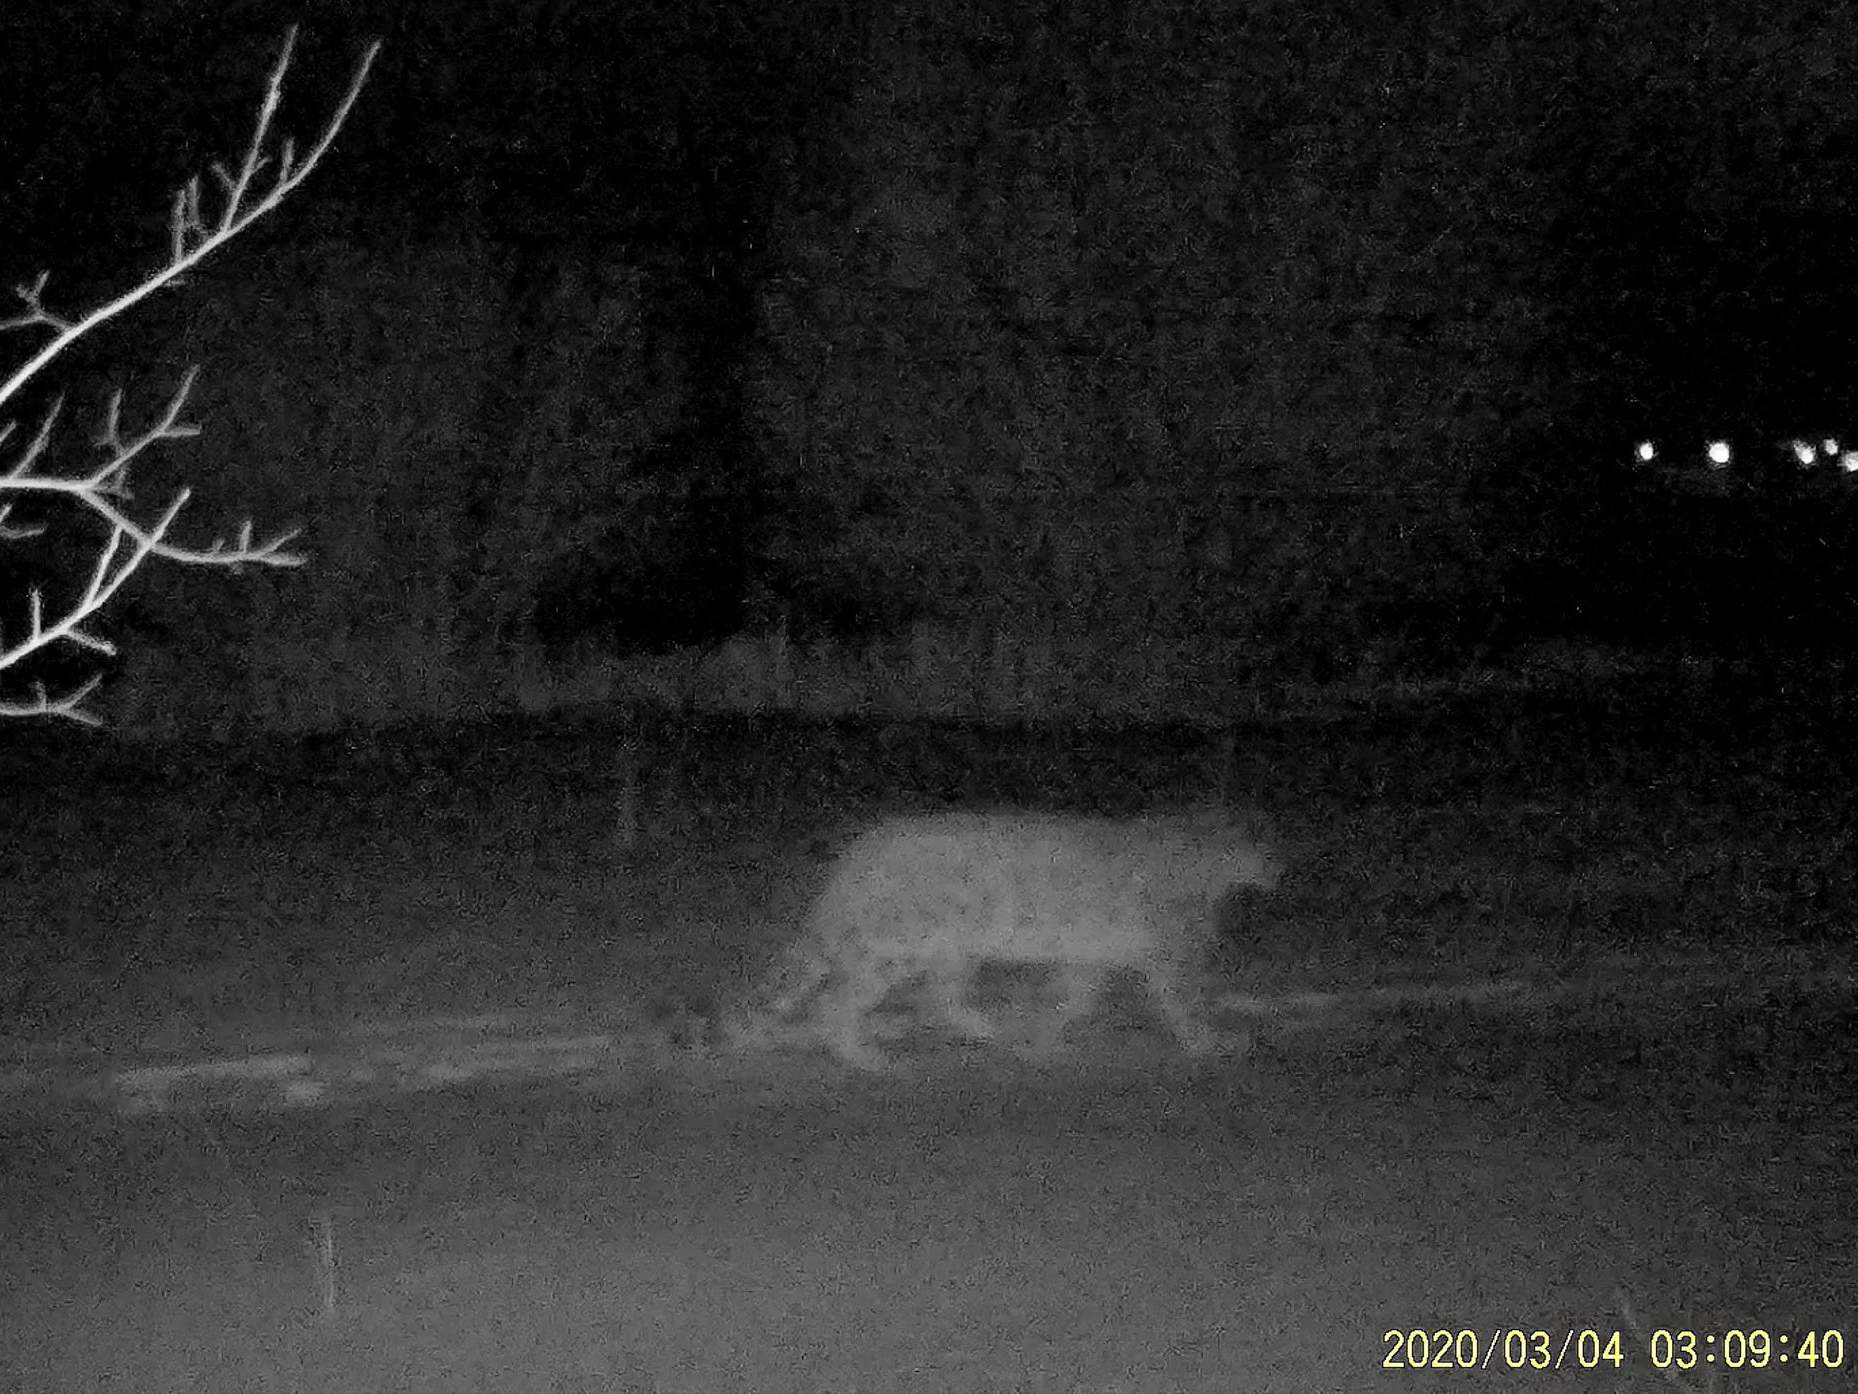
924	901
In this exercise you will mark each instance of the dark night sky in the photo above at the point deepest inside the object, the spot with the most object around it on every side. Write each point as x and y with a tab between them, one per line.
1704	216
839	271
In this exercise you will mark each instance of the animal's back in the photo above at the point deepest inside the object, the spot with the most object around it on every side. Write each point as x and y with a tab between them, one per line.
1033	888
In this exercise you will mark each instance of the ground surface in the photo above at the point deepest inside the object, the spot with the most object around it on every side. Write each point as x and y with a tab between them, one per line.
667	1220
1117	1222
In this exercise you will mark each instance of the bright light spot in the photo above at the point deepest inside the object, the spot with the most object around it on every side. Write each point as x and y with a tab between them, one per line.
1719	454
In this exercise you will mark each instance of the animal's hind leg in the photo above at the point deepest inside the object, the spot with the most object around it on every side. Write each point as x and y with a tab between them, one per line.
844	1017
948	989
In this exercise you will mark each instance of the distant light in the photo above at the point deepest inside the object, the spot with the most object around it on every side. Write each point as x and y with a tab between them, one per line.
1806	452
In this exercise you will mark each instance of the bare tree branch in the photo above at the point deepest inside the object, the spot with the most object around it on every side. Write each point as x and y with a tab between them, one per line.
193	235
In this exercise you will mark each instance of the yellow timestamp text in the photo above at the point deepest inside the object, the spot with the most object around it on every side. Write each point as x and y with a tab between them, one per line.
1599	1348
1746	1348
